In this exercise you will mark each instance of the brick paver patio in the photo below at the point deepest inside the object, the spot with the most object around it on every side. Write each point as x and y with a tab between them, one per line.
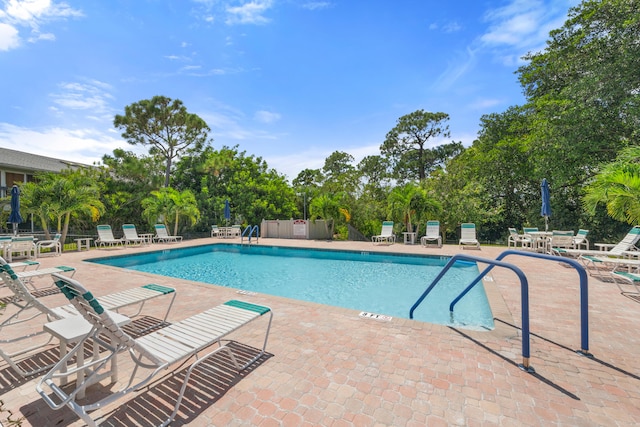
329	367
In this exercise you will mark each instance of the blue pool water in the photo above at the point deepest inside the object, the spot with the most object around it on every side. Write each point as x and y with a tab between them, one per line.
386	284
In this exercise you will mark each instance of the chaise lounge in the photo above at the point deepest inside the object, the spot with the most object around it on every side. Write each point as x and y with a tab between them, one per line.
153	353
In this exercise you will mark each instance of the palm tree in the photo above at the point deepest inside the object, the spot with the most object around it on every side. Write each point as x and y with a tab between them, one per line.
326	207
168	204
410	202
617	186
56	198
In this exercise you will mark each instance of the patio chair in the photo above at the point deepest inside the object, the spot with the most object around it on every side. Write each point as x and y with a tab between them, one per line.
560	240
580	239
386	235
53	246
530	239
21	247
215	231
163	236
236	230
515	238
153	353
26	314
131	235
468	236
432	234
105	237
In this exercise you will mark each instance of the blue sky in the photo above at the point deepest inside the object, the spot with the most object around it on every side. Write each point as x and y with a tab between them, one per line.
288	80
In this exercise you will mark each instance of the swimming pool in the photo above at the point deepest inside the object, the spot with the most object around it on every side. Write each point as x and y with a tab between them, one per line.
372	282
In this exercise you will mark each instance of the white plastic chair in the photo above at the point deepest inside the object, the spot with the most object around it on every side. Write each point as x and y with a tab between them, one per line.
54	246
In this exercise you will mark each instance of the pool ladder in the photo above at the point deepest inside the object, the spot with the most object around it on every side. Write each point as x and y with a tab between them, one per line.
248	231
524	292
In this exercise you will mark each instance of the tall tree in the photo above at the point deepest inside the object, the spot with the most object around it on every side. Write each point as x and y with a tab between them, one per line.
340	174
406	145
166	126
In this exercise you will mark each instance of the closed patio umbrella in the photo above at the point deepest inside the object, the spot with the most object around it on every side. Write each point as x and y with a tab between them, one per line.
14	216
545	210
227	211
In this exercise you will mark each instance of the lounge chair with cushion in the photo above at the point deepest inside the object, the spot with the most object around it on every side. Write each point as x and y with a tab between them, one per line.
198	338
131	235
215	231
53	246
468	236
386	236
163	236
24	312
105	237
432	235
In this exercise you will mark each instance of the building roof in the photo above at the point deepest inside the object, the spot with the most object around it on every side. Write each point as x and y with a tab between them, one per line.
19	160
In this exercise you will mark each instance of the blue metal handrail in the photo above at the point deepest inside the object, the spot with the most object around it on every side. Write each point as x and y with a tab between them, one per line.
584	291
524	289
249	230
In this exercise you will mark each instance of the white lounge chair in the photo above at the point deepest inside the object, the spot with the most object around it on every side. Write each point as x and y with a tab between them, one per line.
386	235
131	235
163	236
53	246
468	236
432	234
28	275
215	231
626	277
626	244
105	237
24	265
153	353
26	314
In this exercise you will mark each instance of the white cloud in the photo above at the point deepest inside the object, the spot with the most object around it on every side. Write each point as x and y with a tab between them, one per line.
462	63
9	37
79	145
316	5
266	116
249	13
522	26
32	14
91	95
